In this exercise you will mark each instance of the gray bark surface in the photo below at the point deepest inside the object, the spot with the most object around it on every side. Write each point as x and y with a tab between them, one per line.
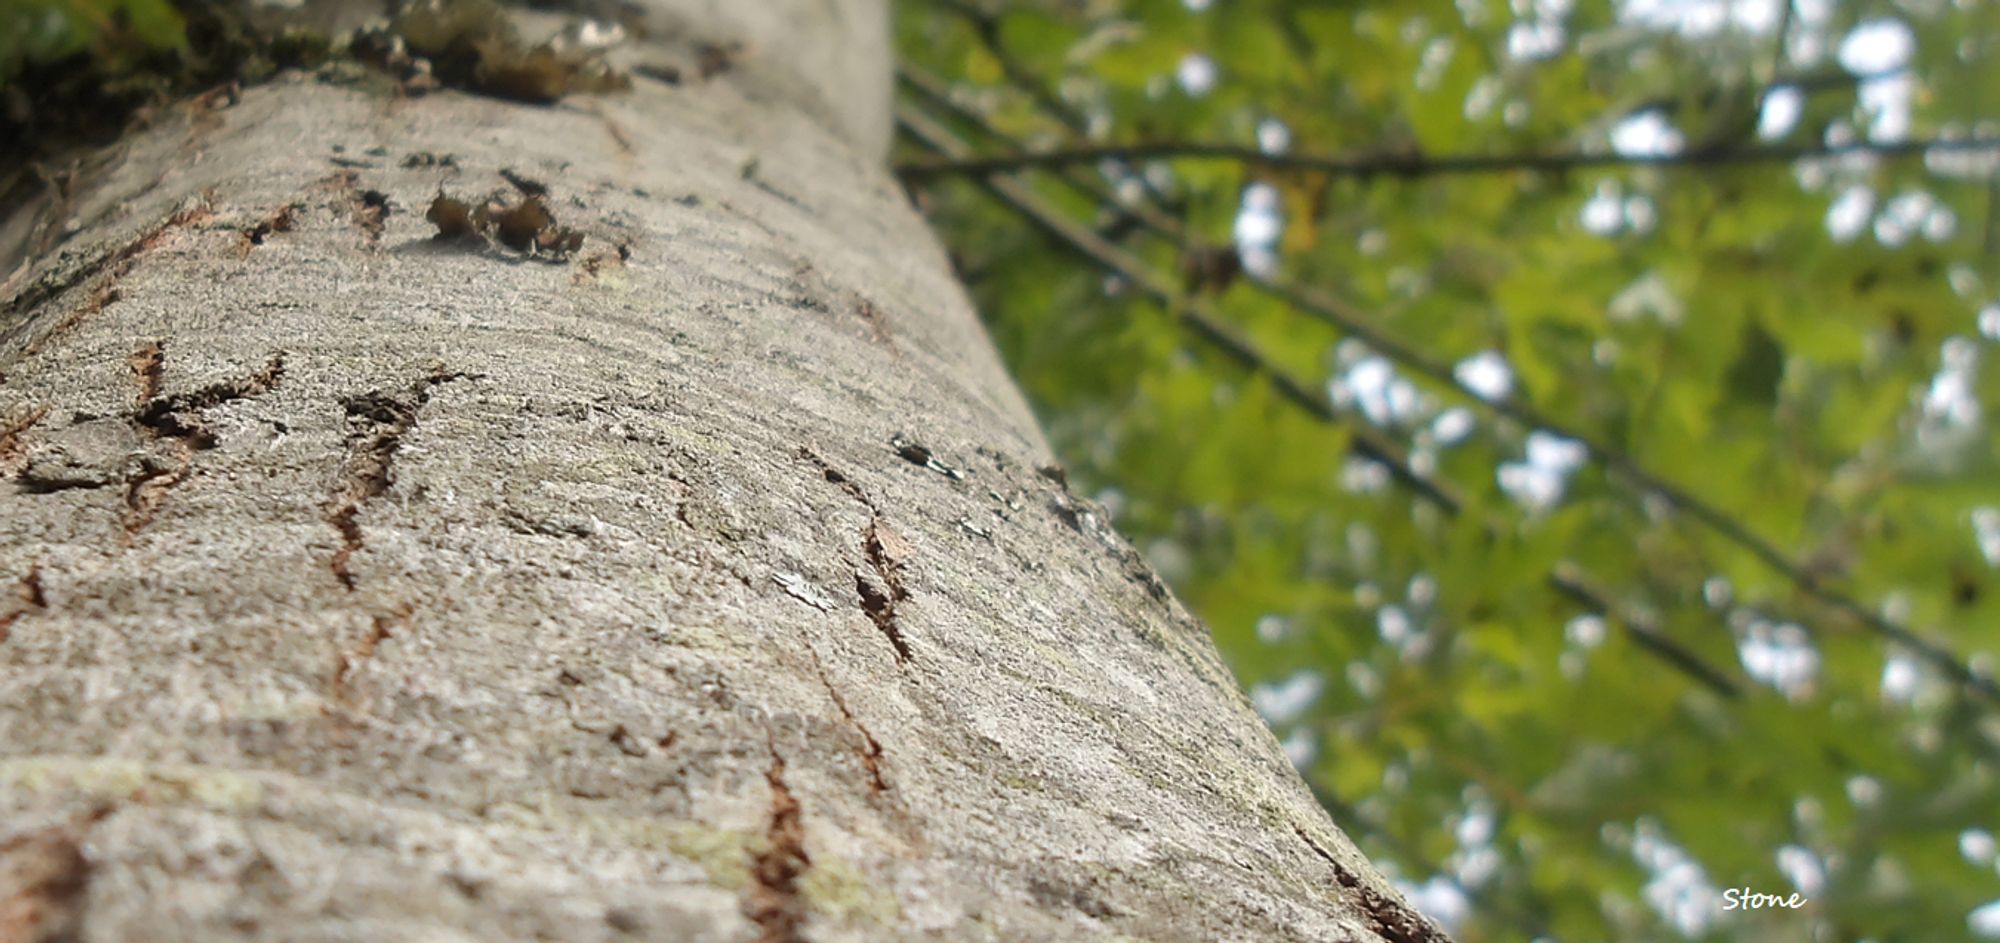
359	586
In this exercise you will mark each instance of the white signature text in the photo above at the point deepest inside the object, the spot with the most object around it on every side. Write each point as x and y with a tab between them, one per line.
1743	898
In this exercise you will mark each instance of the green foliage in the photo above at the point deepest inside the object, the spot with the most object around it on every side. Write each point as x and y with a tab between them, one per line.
42	31
1797	345
72	70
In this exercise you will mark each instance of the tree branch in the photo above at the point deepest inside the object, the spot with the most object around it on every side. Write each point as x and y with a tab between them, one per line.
1325	307
1416	165
1198	317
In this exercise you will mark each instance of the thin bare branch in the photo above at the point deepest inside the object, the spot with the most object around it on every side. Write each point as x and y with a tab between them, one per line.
1412	165
1194	314
1365	441
1330	309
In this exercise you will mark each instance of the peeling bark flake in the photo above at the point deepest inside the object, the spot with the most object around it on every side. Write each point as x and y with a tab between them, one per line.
916	453
802	589
886	551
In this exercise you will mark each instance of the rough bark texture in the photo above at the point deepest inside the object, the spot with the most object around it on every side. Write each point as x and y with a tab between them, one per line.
701	585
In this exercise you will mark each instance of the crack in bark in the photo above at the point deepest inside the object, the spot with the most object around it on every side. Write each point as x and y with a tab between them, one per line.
147	363
112	265
179	416
887	552
279	220
350	661
622	738
43	876
178	420
13	440
877	327
29	591
880	588
146	491
1052	890
367	208
1388	918
846	484
871	748
378	421
36	484
774	903
619	138
880	596
681	500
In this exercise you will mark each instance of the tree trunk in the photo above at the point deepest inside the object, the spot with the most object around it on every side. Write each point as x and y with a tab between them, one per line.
703	583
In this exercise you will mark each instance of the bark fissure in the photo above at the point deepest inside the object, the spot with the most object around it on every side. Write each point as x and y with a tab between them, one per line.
178	421
871	748
32	483
880	587
43	876
377	421
684	492
147	365
112	266
367	208
14	440
881	595
180	416
1388	918
147	490
31	595
278	220
774	904
833	476
380	629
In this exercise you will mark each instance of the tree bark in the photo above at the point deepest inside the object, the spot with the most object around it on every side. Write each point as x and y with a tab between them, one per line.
700	584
